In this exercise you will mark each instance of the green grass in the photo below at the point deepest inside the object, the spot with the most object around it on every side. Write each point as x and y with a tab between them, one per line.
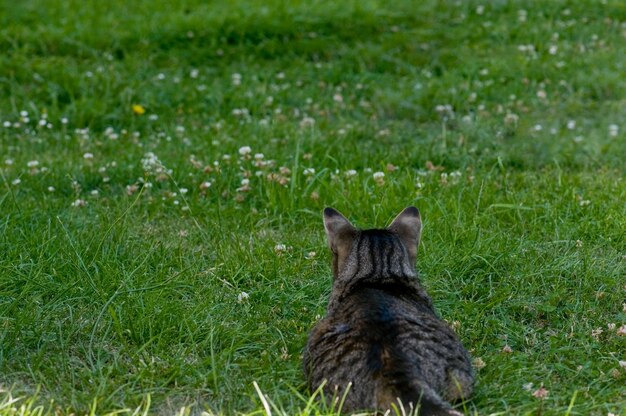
129	301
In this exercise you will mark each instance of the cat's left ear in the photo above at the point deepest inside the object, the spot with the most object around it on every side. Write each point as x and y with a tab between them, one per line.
408	226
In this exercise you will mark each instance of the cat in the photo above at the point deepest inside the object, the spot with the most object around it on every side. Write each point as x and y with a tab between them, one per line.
382	345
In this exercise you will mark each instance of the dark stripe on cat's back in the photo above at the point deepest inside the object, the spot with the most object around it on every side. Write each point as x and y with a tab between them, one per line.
390	249
358	255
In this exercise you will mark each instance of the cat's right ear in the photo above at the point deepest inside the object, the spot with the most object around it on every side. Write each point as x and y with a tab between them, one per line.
339	231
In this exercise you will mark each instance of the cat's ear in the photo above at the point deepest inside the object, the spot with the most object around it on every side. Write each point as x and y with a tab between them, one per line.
338	230
408	226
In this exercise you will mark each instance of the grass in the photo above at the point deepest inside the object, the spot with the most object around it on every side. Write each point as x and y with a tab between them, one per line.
127	240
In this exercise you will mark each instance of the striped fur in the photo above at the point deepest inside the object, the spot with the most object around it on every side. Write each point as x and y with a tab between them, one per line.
381	334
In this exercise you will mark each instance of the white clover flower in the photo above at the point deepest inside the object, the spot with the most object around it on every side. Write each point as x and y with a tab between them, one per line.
378	176
194	73
280	248
8	162
23	113
7	124
88	156
553	49
33	164
338	98
205	185
537	127
183	191
153	117
309	172
79	203
16	181
259	156
244	150
571	124
307	122
511	118
613	130
350	173
95	192
242	297
64	120
51	189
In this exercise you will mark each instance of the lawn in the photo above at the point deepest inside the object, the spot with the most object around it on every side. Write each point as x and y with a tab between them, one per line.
164	165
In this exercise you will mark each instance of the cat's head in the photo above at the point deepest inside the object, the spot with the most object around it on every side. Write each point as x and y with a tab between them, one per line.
394	247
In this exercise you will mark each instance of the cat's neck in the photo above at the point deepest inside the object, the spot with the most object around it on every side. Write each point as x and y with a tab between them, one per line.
405	287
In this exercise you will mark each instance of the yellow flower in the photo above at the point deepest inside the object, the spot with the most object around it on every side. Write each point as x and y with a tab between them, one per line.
138	109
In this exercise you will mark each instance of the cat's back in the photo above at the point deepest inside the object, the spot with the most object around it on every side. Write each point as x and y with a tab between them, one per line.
376	339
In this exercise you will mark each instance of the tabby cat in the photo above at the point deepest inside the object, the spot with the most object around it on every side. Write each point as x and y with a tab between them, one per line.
382	344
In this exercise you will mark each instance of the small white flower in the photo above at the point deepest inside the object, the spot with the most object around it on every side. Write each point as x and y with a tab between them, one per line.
95	192
88	156
571	124
51	189
338	98
64	120
183	191
245	150
42	122
309	172
511	118
307	122
280	248
378	176
23	113
242	297
194	73
8	162
79	203
153	117
553	49
310	255
205	185
613	130
33	164
7	124
537	127
259	156
480	9
16	181
350	173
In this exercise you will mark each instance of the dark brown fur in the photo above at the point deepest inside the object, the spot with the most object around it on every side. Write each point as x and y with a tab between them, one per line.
381	334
